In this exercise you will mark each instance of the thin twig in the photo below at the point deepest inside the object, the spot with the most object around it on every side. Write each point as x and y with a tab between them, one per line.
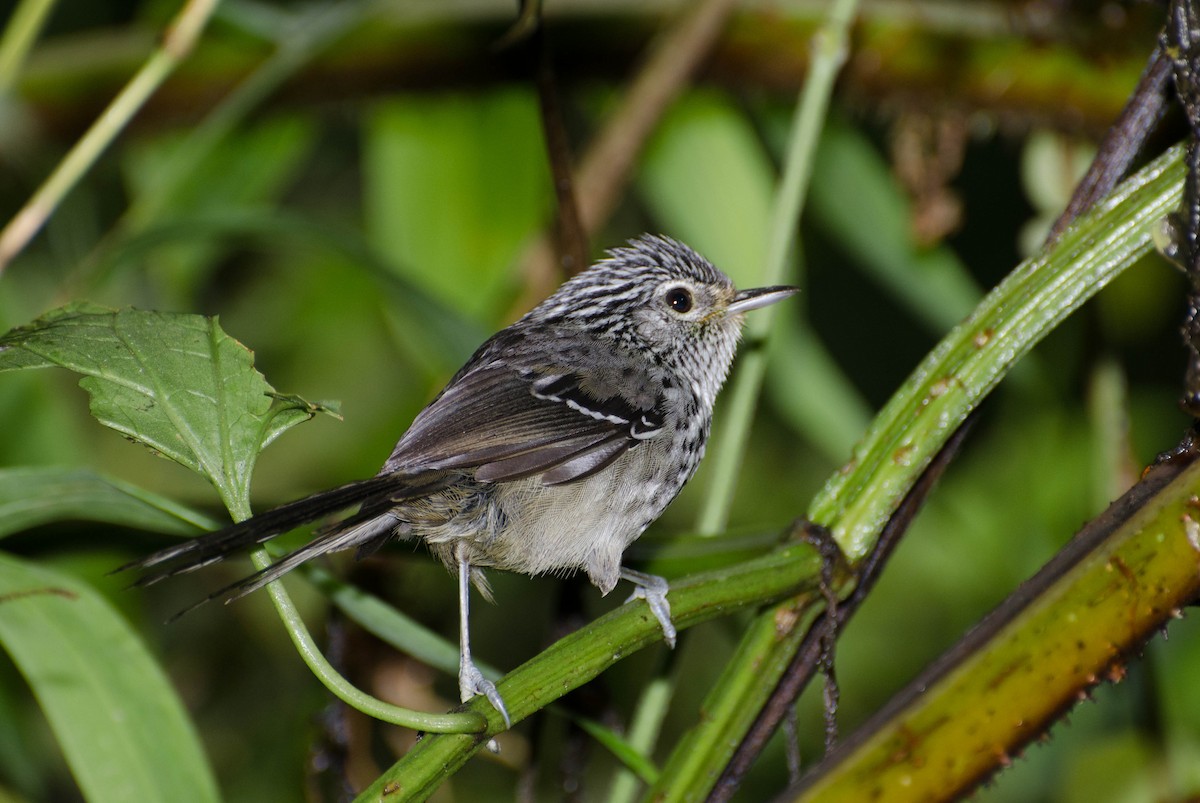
20	32
177	43
572	238
606	166
1181	42
829	49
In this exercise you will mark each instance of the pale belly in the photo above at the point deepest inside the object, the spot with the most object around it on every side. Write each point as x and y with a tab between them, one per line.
538	529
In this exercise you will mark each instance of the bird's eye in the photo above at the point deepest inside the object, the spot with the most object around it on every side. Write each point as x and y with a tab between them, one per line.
679	299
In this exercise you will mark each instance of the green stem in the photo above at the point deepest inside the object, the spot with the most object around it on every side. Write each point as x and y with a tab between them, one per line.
789	571
344	690
828	55
178	42
858	499
19	35
767	646
978	353
643	733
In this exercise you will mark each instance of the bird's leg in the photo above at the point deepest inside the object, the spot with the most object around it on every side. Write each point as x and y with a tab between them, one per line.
653	589
470	680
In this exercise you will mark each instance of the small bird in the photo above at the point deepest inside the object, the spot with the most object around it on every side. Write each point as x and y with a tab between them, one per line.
550	451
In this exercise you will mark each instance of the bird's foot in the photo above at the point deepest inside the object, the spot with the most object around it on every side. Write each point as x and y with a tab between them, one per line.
653	589
472	683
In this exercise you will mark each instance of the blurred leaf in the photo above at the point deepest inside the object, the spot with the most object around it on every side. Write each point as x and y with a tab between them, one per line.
33	496
810	391
1051	165
119	722
173	382
22	753
626	753
1131	308
454	186
442	336
250	166
243	172
709	182
1115	768
855	199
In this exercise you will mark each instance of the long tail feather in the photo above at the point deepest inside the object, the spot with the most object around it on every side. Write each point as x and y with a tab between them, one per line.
331	541
377	493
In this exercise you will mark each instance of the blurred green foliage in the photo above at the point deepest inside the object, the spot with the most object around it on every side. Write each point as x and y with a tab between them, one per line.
362	246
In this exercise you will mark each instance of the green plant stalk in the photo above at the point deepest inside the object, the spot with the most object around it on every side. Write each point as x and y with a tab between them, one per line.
828	55
949	383
970	720
767	648
1113	467
19	35
976	354
295	48
344	690
177	43
333	680
789	571
643	733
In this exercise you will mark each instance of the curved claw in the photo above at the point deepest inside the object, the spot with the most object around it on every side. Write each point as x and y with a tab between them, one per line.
471	682
653	589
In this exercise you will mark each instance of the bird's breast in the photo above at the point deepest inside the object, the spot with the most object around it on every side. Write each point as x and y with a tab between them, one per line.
586	524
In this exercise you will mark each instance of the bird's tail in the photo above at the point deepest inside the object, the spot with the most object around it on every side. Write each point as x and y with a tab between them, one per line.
374	520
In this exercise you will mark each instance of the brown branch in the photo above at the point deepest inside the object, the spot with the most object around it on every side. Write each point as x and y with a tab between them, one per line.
762	48
1122	142
608	162
1152	615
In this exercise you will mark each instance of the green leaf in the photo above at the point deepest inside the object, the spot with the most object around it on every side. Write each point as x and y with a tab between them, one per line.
872	223
709	181
173	382
626	753
453	189
121	725
810	391
33	496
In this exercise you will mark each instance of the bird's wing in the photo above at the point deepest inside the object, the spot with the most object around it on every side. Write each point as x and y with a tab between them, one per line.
508	423
505	417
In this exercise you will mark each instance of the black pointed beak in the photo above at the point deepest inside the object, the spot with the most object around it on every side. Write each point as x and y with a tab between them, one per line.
747	300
